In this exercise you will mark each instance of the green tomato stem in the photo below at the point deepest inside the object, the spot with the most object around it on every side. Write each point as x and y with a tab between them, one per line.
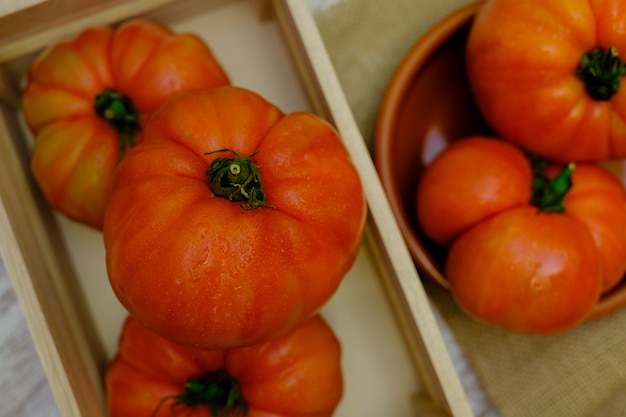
218	390
548	194
121	115
237	179
601	70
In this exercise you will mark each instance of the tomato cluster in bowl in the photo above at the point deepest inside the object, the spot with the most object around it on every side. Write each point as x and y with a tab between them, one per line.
471	85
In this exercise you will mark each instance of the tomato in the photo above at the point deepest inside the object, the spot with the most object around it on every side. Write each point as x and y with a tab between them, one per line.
541	241
597	201
450	197
295	375
527	272
231	222
86	99
546	74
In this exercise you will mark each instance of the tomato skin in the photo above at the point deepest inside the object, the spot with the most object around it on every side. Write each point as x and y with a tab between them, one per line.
190	265
297	374
522	59
140	59
525	271
450	197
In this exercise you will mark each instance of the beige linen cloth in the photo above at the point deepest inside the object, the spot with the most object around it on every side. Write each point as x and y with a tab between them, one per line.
580	373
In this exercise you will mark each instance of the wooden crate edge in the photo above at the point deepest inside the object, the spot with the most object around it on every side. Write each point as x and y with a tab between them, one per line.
55	30
45	285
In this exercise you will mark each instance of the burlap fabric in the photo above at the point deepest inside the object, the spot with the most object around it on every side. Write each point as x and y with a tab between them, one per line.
580	373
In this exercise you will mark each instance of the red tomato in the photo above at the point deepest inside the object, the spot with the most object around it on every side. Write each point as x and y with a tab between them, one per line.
296	375
450	197
247	252
597	201
547	75
475	199
87	97
527	272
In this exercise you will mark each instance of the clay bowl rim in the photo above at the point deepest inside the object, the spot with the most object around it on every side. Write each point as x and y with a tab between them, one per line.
391	103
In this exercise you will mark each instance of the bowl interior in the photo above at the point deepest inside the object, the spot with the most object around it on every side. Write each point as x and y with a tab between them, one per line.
427	105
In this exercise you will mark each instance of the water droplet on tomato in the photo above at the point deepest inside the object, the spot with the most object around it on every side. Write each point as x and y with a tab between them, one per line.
536	284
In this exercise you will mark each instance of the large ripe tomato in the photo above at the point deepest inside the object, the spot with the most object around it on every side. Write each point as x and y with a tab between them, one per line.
298	374
231	222
527	272
87	97
515	229
547	75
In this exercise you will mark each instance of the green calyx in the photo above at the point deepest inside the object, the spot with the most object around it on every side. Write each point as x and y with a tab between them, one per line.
119	112
548	193
237	179
218	390
601	70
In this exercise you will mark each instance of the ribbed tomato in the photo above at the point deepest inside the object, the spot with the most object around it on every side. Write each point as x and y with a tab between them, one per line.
298	374
547	75
231	222
86	99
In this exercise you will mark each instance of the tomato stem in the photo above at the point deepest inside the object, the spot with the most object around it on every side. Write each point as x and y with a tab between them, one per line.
121	115
601	70
237	179
218	390
548	193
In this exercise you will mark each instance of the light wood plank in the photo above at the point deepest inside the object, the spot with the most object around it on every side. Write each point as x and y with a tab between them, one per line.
34	28
44	283
8	7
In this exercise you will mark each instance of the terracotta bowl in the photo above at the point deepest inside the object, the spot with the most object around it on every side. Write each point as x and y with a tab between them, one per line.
428	104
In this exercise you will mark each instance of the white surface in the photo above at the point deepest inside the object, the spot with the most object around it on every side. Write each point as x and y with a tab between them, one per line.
316	5
22	379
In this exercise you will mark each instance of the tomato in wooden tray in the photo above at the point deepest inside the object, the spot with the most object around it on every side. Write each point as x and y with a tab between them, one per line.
531	245
548	75
231	222
86	99
298	374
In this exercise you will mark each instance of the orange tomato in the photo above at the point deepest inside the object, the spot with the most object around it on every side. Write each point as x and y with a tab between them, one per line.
450	197
231	222
524	271
547	75
597	201
297	374
86	99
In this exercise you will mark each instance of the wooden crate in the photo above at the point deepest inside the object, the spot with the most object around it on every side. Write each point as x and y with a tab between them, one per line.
395	359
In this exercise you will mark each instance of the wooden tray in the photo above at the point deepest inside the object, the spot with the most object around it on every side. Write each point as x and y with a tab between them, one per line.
395	360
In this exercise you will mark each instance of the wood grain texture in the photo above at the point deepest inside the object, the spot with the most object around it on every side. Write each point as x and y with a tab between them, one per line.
8	7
